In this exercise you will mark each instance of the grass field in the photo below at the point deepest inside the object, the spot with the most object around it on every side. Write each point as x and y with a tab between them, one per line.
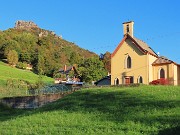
8	72
11	73
147	110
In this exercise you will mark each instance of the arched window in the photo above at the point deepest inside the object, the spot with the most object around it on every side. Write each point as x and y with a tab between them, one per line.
128	62
161	73
116	81
140	79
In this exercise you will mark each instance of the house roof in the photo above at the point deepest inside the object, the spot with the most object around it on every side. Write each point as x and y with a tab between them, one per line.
68	69
162	60
142	46
106	77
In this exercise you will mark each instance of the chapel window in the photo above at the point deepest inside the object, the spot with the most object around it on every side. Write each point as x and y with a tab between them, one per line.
128	62
116	81
140	79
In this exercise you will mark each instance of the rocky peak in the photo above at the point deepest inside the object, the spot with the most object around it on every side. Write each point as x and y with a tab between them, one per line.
25	25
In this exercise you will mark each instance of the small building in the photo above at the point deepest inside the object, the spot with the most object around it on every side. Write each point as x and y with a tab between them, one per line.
71	76
104	81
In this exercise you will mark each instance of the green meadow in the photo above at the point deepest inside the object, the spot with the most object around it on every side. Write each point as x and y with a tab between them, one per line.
16	76
8	72
149	110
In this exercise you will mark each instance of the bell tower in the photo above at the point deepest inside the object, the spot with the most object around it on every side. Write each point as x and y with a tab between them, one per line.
128	28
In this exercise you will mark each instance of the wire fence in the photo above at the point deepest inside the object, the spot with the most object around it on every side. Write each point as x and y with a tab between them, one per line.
38	97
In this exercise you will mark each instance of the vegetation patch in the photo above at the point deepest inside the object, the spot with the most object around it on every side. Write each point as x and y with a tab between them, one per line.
126	110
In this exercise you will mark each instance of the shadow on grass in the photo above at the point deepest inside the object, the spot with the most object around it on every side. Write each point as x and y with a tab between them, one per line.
115	106
170	131
9	113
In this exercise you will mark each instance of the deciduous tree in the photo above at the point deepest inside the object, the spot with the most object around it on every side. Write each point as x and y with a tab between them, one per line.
12	57
92	69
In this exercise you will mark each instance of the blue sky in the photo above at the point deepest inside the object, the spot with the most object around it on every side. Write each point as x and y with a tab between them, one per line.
96	25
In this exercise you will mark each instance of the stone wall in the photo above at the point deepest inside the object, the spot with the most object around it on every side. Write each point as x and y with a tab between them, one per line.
31	101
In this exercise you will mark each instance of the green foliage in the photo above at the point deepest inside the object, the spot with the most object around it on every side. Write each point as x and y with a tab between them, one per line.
10	45
107	61
149	110
7	72
74	58
40	64
12	57
21	65
92	69
47	53
40	83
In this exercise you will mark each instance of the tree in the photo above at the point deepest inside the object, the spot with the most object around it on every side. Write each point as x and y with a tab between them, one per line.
10	45
74	58
107	61
92	69
40	64
27	42
12	57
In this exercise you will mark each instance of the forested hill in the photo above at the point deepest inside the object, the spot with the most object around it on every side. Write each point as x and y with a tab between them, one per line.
41	48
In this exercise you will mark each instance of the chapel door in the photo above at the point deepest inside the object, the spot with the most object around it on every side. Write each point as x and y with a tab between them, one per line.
127	80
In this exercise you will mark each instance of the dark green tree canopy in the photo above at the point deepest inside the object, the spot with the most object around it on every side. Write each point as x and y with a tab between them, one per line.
92	69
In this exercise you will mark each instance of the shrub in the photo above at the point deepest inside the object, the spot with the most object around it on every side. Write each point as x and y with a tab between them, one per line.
161	81
21	65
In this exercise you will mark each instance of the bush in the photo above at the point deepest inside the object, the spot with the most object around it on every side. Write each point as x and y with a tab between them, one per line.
12	57
18	84
21	65
161	81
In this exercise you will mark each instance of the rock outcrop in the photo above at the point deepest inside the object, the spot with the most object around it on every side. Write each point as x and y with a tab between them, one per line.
29	25
25	25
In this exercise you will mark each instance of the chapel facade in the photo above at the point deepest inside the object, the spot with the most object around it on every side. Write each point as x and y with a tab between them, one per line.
133	61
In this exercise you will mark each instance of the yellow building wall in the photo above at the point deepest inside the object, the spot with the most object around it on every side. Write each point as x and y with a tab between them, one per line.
169	72
178	74
139	64
150	60
175	75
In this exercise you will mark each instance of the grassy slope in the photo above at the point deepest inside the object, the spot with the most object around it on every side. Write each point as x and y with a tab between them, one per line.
7	72
141	110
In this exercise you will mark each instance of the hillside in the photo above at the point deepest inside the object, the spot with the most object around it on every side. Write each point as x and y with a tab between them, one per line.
43	49
148	110
7	72
17	82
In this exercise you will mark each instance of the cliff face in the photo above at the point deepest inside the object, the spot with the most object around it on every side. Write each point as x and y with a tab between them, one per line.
29	25
25	25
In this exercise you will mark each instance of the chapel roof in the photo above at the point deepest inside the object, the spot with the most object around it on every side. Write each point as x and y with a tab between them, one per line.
144	45
141	45
162	60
